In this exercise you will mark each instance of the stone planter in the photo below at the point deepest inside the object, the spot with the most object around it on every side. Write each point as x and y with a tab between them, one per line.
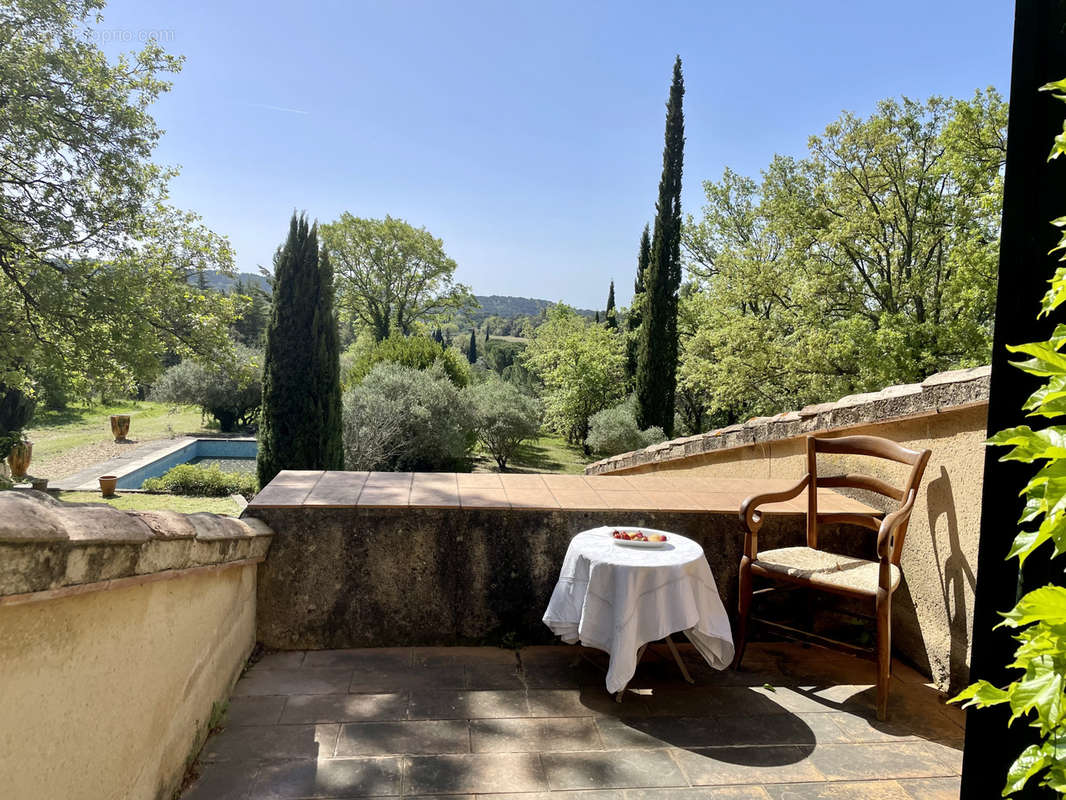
120	426
107	485
19	459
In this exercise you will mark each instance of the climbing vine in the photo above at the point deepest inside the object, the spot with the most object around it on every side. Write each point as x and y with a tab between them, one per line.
1038	695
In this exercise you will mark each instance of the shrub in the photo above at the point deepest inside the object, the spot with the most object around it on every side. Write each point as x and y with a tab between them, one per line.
504	417
614	430
198	481
417	352
231	394
401	418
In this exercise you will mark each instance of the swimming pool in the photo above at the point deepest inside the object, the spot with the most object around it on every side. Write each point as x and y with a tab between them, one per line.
227	452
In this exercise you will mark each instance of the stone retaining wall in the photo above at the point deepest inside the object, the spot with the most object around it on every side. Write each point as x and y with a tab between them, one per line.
933	610
119	633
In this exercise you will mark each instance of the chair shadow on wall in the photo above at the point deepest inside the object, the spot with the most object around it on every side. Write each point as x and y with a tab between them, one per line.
957	579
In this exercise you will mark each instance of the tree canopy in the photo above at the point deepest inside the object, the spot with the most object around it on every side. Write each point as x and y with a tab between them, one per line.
391	275
872	261
93	263
582	366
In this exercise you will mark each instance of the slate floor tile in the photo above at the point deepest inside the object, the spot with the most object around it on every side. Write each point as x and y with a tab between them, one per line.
863	790
534	735
252	743
700	793
879	761
223	781
328	778
494	676
426	737
688	732
592	794
495	703
741	765
377	679
477	774
286	659
584	703
362	658
305	708
932	788
611	770
255	710
294	681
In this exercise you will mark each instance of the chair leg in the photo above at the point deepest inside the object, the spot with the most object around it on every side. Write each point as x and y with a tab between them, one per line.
884	651
743	610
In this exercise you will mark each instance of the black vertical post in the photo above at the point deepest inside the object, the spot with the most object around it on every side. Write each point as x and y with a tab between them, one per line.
1034	194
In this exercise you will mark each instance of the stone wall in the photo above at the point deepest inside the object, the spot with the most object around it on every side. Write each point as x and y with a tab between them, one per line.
119	632
370	577
933	609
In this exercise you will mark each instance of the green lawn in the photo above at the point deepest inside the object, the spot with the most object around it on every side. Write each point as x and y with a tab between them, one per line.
139	501
546	454
54	431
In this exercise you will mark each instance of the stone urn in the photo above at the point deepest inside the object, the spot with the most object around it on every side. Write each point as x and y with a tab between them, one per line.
107	485
19	459
120	426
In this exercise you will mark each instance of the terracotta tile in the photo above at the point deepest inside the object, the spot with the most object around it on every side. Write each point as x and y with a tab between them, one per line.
656	482
382	479
671	500
435	490
580	499
610	483
722	502
482	480
626	500
531	498
298	477
523	482
337	489
566	483
476	497
385	496
280	496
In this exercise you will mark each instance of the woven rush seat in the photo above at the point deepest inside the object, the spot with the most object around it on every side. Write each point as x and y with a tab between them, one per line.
821	568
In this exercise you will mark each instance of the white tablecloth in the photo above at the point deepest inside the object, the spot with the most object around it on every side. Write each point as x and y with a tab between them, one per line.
617	598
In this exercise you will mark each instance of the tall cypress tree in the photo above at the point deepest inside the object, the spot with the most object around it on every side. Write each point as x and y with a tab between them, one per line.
657	349
300	425
471	354
611	317
636	309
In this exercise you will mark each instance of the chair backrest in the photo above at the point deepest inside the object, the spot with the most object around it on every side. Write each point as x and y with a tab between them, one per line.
876	447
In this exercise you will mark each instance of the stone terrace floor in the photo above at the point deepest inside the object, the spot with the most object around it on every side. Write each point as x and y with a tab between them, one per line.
466	723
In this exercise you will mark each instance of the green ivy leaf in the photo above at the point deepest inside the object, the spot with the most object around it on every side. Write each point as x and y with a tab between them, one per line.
1046	604
1030	445
981	694
1030	762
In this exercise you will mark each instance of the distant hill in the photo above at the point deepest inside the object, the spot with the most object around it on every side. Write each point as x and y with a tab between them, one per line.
493	305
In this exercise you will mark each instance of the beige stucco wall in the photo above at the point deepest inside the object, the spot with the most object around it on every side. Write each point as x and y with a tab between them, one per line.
105	694
933	609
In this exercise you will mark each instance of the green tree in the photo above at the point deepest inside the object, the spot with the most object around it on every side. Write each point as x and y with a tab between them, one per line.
504	418
582	366
636	313
868	263
611	317
231	394
250	327
391	274
656	382
301	414
471	350
417	352
94	266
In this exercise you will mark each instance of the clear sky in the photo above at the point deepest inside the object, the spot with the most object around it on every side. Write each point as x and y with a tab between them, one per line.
527	135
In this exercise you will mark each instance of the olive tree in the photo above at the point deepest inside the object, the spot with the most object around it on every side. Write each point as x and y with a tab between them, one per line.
504	417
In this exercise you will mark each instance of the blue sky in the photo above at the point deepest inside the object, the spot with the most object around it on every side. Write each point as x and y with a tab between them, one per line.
527	135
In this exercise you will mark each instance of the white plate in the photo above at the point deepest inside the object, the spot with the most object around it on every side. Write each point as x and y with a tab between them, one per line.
632	543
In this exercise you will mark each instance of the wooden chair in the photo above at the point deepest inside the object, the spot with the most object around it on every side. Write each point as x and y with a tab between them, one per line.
818	569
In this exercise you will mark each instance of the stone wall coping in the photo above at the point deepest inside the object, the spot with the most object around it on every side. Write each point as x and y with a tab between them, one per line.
46	544
939	393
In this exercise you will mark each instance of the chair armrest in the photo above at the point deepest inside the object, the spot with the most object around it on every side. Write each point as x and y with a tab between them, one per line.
751	517
890	523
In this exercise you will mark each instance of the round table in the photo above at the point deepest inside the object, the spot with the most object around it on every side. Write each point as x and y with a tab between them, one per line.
618	598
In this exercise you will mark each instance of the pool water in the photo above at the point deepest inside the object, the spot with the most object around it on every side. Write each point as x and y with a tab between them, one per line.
232	455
